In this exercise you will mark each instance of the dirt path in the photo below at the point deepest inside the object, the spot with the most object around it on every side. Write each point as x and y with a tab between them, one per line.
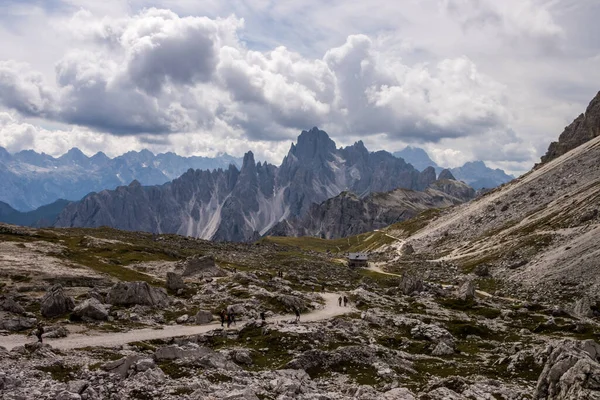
78	340
479	292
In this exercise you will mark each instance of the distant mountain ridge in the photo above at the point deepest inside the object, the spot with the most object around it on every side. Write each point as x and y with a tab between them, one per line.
347	214
475	173
29	180
241	205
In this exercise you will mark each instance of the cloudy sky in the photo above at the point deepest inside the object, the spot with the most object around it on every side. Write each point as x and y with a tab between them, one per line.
464	79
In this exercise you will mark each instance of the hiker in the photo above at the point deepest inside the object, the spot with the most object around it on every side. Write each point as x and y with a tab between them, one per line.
323	288
231	319
340	301
297	312
345	301
262	316
39	332
223	317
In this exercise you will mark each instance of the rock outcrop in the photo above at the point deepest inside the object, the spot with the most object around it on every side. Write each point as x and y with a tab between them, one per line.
201	267
9	304
174	281
90	308
572	372
55	303
583	129
203	317
466	291
137	293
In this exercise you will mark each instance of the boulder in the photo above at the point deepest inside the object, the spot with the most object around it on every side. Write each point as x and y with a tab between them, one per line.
442	349
121	366
95	294
433	333
482	270
55	332
571	372
133	293
583	308
91	309
408	249
174	281
66	395
182	319
16	324
77	386
466	291
55	303
410	284
201	266
242	356
203	317
9	304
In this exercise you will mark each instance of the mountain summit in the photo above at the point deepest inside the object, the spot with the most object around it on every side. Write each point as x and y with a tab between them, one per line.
240	205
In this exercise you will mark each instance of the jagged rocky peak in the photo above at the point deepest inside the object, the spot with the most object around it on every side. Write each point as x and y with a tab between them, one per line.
313	144
426	178
248	165
446	174
584	128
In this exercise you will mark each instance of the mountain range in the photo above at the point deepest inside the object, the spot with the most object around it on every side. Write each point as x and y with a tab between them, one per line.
474	173
348	214
242	205
29	180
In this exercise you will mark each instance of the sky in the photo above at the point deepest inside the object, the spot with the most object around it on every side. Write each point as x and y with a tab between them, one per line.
464	79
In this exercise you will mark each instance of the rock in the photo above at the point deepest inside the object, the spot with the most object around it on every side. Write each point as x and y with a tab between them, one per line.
408	249
466	291
242	356
174	281
94	294
66	395
442	349
482	270
195	355
9	304
55	332
432	333
517	264
583	308
132	293
571	372
16	324
203	317
201	266
244	394
182	319
398	394
92	309
144	364
410	284
55	303
121	366
588	215
77	386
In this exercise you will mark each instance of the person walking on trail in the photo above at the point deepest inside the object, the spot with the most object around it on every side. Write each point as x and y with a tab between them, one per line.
223	317
262	317
297	312
340	301
345	301
231	319
39	332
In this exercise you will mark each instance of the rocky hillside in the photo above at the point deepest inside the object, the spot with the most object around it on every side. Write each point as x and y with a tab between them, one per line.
584	128
40	217
241	205
129	315
348	214
29	180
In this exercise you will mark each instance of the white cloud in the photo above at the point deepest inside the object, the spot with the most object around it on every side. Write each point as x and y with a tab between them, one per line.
459	77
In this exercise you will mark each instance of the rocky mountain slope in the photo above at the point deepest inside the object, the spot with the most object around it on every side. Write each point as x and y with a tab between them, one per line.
348	214
29	180
584	128
242	205
474	173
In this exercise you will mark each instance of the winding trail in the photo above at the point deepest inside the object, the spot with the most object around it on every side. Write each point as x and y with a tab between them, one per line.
78	340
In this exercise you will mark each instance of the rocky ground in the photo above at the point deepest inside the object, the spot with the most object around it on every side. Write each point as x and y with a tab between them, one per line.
401	337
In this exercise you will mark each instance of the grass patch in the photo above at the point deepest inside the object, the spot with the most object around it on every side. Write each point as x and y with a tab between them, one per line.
60	372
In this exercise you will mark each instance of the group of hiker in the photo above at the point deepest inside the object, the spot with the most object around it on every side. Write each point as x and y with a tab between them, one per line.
227	316
343	299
